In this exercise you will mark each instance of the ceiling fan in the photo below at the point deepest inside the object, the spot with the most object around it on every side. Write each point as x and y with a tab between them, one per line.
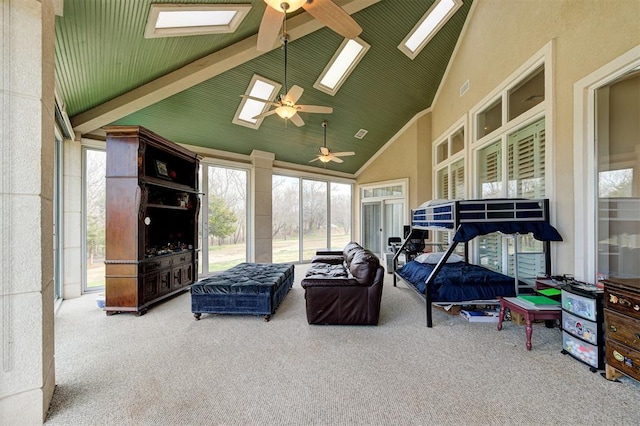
325	11
325	154
285	105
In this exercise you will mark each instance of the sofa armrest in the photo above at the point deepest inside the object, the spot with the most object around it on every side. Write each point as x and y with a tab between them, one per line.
330	282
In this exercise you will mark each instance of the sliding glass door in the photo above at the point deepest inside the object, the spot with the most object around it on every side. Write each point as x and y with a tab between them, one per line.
383	214
372	226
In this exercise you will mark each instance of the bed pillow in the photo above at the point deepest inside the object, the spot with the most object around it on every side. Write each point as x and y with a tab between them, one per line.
434	258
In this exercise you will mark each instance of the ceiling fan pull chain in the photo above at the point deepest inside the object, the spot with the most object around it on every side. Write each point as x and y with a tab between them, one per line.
324	127
285	41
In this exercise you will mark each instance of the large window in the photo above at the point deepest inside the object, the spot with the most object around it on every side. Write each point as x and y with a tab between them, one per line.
308	215
449	166
95	162
341	215
520	175
510	162
618	177
314	217
226	195
607	170
286	219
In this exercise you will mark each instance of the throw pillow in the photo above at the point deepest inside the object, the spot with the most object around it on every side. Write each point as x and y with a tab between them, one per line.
433	258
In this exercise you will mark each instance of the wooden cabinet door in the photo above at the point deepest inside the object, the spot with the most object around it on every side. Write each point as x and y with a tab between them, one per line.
150	287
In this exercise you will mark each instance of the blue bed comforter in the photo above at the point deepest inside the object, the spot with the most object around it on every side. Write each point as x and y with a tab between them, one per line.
458	282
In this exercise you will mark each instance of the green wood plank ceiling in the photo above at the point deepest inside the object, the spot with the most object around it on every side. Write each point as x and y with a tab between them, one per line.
103	61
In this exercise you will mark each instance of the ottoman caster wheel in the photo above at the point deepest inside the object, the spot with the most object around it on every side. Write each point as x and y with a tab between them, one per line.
197	316
267	318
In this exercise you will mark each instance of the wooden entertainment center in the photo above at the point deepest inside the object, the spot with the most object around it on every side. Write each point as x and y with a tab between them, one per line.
152	210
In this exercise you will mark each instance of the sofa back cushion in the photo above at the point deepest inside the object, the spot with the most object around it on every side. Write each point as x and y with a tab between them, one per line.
363	266
349	251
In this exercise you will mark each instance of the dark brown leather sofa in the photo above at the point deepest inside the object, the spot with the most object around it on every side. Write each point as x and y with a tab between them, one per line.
344	287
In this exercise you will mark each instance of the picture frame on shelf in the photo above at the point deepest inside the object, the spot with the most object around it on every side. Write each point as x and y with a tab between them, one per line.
162	170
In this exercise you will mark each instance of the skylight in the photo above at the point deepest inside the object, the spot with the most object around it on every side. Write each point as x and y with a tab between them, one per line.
173	20
260	88
435	18
343	62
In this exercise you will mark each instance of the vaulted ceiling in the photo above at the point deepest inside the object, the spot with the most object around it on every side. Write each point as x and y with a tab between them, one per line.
188	88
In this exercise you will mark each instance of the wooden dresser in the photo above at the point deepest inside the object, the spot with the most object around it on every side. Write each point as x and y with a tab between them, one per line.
622	327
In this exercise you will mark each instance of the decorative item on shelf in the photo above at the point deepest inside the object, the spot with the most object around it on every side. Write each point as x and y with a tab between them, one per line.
161	169
182	199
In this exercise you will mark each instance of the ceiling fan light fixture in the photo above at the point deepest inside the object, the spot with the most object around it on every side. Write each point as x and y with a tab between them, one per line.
325	158
286	111
293	5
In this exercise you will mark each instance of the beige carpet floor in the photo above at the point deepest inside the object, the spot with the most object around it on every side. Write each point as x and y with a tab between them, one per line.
165	368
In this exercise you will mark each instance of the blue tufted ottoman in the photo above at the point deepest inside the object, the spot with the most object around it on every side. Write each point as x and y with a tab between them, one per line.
247	288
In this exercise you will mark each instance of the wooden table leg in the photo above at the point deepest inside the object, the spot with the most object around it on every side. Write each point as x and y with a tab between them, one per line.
501	315
528	329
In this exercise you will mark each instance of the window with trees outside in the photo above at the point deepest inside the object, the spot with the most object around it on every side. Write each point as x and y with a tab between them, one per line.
309	215
226	226
95	167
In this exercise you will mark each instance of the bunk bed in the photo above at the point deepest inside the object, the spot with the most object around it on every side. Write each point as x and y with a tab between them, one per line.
470	219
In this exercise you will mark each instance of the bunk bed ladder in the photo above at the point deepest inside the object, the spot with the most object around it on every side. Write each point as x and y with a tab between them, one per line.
432	277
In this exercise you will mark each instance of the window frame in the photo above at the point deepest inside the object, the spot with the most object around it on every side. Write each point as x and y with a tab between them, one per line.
203	224
543	110
301	177
85	148
584	147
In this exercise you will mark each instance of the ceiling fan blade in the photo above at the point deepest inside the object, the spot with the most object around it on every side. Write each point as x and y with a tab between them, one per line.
344	154
295	119
315	159
336	159
334	17
266	101
265	114
294	94
269	29
315	108
324	150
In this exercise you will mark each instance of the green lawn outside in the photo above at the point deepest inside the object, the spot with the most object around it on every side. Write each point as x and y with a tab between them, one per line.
225	256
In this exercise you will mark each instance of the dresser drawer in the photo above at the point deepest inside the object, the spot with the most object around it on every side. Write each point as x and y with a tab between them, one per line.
185	257
623	358
582	350
156	263
579	305
622	301
584	329
622	328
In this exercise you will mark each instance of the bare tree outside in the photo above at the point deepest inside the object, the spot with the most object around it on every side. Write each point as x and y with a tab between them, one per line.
314	217
341	215
290	194
95	208
227	220
285	218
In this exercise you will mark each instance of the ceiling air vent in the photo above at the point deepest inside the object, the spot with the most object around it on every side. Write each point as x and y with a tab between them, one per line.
360	134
